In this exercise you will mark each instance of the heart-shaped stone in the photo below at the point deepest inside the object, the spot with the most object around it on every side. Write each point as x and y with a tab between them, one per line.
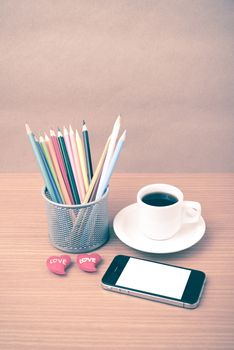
88	262
58	264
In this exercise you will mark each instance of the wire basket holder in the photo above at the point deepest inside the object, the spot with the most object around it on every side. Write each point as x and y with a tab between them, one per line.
77	228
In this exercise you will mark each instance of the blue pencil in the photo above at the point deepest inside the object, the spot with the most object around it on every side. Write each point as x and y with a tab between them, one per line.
41	164
53	184
88	158
111	166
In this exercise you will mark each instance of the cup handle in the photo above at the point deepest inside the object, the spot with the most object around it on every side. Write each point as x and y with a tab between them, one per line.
191	211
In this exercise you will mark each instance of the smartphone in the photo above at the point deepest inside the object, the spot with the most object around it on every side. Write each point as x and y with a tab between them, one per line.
155	281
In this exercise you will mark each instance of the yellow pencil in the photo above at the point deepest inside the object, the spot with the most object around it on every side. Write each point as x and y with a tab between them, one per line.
50	164
81	154
57	169
97	171
78	171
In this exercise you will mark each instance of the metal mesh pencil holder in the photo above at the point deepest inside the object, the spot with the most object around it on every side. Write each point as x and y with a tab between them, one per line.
77	228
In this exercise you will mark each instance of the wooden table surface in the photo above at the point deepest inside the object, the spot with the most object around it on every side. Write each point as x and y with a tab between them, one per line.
39	310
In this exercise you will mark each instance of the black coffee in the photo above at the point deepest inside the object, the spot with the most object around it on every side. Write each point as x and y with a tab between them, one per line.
159	199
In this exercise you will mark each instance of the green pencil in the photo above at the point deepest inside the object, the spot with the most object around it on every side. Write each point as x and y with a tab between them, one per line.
68	168
41	164
50	164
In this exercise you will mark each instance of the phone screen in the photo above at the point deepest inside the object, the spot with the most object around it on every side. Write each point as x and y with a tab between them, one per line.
151	277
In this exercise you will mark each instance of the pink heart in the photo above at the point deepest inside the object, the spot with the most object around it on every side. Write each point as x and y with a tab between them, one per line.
58	264
88	262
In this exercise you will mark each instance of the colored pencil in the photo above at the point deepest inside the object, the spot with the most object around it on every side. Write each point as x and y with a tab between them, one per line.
96	173
50	147
77	164
102	187
58	198
50	164
68	167
95	188
80	149
66	164
61	163
114	136
88	158
71	158
40	162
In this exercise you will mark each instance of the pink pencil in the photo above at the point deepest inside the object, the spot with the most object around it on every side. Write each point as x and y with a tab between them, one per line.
61	164
72	160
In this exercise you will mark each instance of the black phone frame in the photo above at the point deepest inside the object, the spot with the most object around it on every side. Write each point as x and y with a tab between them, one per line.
192	289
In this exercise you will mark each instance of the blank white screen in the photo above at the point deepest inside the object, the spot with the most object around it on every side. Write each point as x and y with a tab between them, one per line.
154	278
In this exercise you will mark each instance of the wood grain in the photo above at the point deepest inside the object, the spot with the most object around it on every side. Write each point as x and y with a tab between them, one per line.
39	310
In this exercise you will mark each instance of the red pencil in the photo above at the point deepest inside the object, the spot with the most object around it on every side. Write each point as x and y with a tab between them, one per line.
61	164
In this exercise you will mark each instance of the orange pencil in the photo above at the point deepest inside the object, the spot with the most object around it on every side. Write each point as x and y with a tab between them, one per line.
97	172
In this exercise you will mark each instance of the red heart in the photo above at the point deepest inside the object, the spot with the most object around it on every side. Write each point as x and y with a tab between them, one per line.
58	264
88	262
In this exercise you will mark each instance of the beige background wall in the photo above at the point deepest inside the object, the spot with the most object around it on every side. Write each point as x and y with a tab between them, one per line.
166	66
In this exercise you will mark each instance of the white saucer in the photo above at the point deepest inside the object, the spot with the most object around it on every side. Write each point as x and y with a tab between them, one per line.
127	230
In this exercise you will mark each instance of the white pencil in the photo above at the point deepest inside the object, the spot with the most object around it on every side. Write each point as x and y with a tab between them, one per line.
106	180
109	154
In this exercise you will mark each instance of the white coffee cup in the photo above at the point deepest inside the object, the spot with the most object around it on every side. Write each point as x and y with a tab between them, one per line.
162	222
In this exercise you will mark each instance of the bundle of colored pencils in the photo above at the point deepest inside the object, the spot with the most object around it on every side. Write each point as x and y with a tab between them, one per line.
65	162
